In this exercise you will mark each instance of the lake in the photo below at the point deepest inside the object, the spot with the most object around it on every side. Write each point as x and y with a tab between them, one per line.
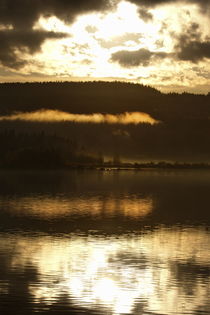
105	242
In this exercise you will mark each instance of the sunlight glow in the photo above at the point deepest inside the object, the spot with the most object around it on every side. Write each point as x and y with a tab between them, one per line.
86	50
124	20
52	24
106	289
116	273
83	48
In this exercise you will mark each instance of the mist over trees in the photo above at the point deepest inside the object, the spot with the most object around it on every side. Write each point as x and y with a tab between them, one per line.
183	133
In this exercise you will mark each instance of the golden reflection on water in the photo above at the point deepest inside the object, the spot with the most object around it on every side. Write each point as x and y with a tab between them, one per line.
154	270
48	207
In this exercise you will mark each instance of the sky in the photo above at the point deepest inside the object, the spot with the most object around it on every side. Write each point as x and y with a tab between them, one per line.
161	43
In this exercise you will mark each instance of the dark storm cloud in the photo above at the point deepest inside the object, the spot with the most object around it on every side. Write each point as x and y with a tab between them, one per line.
24	13
152	3
21	16
12	41
192	32
136	58
194	51
191	47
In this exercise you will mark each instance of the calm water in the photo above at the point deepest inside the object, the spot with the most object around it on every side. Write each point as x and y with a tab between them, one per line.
97	242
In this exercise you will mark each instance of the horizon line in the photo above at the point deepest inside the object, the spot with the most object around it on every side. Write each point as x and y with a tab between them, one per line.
105	81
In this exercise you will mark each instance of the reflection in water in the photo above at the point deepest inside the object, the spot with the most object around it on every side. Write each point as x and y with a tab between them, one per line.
105	243
48	207
163	272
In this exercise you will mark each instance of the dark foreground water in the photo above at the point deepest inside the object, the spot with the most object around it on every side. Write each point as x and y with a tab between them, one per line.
97	242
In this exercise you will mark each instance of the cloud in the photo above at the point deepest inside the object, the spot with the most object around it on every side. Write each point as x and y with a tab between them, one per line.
120	40
96	118
201	72
152	3
136	58
91	29
145	14
23	14
194	51
19	16
191	47
15	42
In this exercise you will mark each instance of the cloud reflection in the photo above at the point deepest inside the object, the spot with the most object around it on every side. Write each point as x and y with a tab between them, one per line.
119	275
48	207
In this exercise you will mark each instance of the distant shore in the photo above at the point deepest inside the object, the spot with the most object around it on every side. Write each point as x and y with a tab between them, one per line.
116	167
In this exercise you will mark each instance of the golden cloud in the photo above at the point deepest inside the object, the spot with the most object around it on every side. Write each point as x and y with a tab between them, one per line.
96	118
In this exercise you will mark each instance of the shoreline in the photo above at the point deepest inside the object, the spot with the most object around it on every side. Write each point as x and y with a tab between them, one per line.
123	167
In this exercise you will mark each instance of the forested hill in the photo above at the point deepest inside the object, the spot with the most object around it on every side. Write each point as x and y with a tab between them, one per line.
182	133
102	97
77	97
